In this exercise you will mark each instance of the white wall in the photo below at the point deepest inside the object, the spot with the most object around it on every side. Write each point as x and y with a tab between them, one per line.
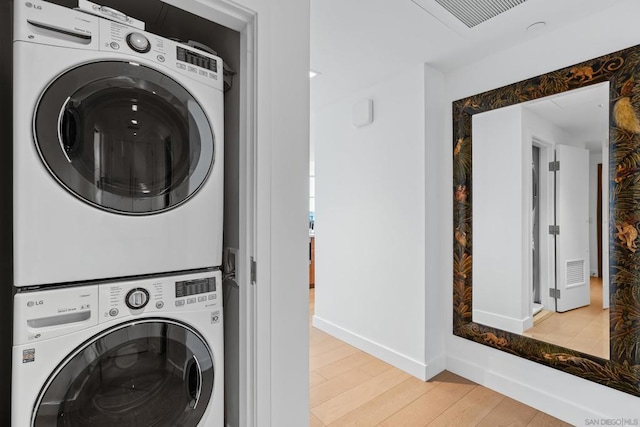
370	224
543	129
567	397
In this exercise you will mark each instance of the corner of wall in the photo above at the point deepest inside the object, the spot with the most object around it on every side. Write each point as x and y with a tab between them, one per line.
435	146
419	369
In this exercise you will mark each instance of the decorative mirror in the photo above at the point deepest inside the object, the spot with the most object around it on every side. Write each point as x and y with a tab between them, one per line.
546	189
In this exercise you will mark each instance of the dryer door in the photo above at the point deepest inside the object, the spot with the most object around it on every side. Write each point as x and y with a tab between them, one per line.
124	137
152	372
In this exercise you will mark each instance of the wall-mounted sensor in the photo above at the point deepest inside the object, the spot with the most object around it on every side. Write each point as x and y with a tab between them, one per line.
363	113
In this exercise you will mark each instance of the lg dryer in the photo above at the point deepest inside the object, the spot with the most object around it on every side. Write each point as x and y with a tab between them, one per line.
118	149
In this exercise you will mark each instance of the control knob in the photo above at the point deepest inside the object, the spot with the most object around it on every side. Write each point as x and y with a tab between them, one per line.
138	42
137	298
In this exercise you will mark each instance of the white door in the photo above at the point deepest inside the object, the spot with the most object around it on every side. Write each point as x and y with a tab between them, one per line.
572	216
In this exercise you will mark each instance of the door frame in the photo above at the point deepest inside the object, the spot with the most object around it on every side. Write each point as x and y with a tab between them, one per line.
254	395
599	217
606	212
547	246
255	316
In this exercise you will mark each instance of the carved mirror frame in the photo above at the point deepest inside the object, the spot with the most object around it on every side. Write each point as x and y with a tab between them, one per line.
622	71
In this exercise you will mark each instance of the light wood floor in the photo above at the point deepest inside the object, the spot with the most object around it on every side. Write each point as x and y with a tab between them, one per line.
350	387
584	329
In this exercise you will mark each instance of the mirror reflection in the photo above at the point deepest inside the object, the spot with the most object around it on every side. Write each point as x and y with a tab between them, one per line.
540	219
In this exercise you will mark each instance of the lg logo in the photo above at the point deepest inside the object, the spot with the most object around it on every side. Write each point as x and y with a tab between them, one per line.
34	303
35	6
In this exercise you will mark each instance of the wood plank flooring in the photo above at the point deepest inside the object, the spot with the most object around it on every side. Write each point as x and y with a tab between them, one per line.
352	388
584	329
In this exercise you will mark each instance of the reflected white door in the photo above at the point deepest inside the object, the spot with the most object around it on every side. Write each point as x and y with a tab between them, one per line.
572	215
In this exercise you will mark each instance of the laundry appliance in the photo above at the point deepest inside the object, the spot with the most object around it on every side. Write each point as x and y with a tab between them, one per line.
118	150
145	352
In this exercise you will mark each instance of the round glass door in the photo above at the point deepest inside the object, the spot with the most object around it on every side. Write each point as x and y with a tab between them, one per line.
154	372
124	137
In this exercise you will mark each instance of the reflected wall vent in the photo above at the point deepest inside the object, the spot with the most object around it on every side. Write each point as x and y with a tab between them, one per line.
575	272
475	12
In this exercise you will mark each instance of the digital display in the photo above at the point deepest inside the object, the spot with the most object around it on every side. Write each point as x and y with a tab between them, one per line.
195	287
196	59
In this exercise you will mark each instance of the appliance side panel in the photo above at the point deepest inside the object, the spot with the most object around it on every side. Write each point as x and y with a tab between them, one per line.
6	208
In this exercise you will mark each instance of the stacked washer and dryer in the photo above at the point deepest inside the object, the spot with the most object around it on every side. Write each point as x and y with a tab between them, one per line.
118	193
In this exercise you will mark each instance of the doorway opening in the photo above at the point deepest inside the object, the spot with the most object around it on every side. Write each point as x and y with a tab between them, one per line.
535	218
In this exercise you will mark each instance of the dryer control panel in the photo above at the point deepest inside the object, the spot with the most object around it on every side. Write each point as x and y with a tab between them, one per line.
50	24
186	60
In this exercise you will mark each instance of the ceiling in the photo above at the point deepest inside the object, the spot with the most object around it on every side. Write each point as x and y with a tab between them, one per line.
356	43
582	113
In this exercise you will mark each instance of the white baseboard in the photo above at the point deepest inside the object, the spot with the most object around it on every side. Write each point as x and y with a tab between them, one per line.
423	371
513	325
544	400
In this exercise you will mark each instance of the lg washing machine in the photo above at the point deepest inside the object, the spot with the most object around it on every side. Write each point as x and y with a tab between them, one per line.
118	150
137	353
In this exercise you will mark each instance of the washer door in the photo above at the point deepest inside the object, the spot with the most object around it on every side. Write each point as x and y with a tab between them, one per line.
153	372
124	137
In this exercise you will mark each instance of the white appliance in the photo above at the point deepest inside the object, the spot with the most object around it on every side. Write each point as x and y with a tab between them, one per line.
118	150
130	353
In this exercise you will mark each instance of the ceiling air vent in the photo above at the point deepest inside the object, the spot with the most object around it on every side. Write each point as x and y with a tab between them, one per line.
475	12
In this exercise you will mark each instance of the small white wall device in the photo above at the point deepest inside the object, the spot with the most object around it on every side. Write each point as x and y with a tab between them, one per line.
363	113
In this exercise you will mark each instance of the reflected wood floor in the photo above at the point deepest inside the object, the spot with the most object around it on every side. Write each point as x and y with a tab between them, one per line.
585	329
352	388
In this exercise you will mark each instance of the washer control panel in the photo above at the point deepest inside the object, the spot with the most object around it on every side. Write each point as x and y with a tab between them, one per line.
44	314
199	291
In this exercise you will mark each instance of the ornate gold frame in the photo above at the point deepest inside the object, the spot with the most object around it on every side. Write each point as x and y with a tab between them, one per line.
622	70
